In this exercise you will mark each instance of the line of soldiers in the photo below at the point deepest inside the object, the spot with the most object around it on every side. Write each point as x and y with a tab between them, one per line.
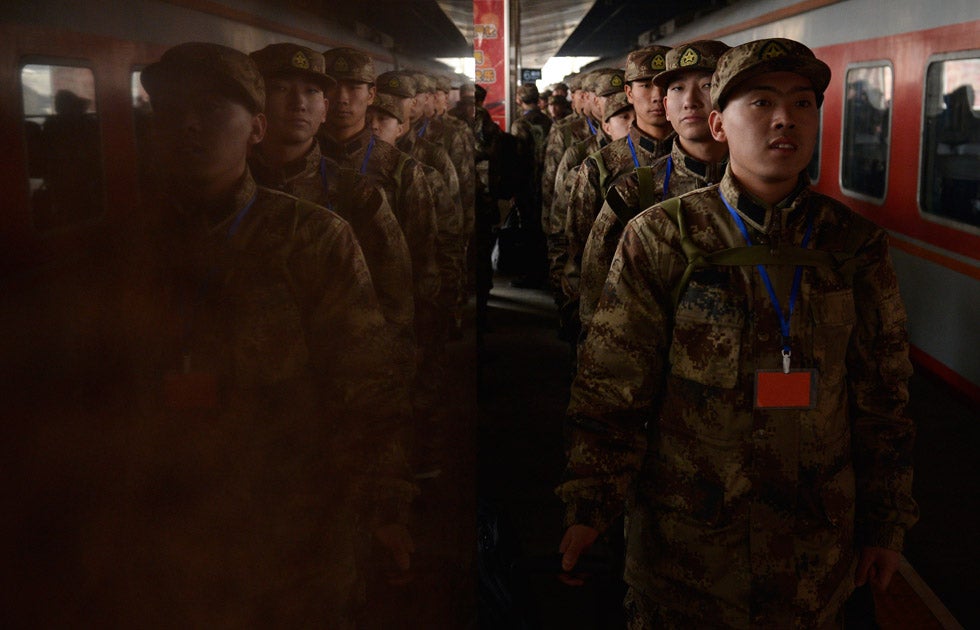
287	316
754	457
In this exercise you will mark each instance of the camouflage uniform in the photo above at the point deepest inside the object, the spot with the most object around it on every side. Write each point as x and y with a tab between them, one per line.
622	204
410	196
564	134
593	179
323	182
297	456
740	516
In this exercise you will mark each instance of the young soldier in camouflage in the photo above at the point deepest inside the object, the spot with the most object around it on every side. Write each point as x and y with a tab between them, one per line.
347	138
756	434
695	160
268	435
289	159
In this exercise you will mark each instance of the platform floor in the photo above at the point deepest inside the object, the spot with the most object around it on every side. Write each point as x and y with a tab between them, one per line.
523	393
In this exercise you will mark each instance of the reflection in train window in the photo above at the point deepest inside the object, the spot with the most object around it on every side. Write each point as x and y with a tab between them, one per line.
64	154
867	122
951	140
142	117
813	168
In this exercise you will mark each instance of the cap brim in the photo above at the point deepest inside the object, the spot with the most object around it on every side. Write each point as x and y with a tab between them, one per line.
157	76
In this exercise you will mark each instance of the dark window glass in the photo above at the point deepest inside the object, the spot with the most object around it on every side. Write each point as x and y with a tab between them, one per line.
950	159
813	168
867	121
63	145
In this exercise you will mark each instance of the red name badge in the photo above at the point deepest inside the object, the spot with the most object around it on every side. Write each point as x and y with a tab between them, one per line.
193	390
775	389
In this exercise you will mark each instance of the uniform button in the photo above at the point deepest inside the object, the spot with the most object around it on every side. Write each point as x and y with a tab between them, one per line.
763	336
759	434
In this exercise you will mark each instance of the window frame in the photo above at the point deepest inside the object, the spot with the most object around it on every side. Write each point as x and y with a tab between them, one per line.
855	194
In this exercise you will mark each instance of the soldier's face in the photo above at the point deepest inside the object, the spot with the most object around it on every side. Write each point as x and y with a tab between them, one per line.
618	126
441	102
770	124
349	101
201	136
427	103
688	104
648	101
385	127
295	108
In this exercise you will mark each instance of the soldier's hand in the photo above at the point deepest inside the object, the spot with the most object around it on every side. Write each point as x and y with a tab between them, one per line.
878	565
577	539
398	542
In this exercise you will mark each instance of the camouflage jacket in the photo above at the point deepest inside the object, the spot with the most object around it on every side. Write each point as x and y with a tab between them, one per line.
593	178
738	515
450	243
322	181
562	135
408	191
686	174
564	180
463	156
531	131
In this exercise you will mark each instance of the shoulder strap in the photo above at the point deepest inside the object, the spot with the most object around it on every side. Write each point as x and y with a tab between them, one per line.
603	170
403	159
647	189
845	262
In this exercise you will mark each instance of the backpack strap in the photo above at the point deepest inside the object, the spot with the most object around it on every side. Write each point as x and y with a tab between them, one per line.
844	262
648	190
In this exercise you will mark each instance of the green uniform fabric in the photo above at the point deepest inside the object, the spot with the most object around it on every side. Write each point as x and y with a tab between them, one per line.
562	135
738	516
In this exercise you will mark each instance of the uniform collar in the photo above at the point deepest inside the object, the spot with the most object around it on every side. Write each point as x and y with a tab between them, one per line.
279	177
710	171
647	142
340	151
760	215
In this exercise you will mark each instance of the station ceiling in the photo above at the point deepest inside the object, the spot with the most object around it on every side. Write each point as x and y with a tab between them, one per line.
593	28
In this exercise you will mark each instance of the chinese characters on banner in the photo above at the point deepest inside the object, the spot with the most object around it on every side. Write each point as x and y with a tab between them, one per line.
490	53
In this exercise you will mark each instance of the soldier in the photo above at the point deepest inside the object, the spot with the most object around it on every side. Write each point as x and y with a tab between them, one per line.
571	199
269	414
390	123
558	107
654	131
531	131
743	386
347	138
696	160
289	159
618	117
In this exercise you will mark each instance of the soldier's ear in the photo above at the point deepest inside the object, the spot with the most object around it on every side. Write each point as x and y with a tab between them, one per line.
372	92
716	124
257	131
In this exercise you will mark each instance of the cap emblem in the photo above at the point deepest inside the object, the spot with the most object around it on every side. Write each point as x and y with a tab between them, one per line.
772	50
393	82
690	57
658	62
616	81
300	61
341	65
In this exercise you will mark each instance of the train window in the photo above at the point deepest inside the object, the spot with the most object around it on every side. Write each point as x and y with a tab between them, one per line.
813	168
950	161
867	130
64	153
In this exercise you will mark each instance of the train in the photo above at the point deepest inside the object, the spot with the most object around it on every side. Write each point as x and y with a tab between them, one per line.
900	144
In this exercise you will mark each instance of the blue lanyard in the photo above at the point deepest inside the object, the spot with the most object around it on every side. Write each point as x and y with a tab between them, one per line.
588	121
367	155
636	160
424	126
670	170
794	291
323	180
237	222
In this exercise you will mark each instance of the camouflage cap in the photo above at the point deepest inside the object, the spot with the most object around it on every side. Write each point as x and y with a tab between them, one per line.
443	84
528	93
292	59
608	81
615	104
645	63
424	83
230	71
700	56
467	91
390	104
396	83
347	64
766	55
574	82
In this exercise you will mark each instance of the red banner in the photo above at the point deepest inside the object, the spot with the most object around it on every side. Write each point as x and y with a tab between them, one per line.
490	54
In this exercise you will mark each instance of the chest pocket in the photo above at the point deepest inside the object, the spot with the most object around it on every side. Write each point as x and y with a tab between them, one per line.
833	321
707	334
